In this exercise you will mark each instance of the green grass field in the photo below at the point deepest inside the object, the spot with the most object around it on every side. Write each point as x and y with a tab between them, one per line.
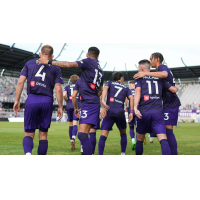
11	136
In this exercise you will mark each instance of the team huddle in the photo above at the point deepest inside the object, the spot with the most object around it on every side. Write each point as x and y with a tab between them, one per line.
151	102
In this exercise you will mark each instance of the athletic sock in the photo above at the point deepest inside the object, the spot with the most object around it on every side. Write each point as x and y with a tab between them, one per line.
43	147
74	132
28	144
132	133
70	132
93	141
85	142
123	142
172	141
165	147
101	145
139	147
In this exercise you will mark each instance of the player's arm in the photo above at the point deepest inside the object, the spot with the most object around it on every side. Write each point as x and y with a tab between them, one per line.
100	91
168	86
19	89
62	64
59	96
65	95
162	74
131	99
136	102
104	94
126	104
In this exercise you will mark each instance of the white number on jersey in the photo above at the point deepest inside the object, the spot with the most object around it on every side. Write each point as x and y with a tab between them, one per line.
166	116
95	78
119	90
84	112
72	89
41	75
149	86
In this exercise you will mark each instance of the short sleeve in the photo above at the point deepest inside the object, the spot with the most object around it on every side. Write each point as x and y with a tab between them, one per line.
129	92
77	85
108	84
162	68
138	83
166	84
65	89
24	71
83	64
59	78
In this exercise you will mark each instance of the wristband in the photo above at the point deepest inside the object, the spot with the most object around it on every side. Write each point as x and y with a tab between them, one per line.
50	62
132	111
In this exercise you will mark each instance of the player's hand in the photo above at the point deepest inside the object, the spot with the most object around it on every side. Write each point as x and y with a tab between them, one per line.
103	113
138	114
105	105
43	61
139	75
60	113
130	117
77	112
126	108
16	107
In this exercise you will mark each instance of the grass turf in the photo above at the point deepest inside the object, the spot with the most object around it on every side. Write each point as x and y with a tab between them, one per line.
11	136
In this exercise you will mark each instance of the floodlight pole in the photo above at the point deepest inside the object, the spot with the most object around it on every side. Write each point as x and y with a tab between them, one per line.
65	44
126	72
105	65
13	45
38	48
80	55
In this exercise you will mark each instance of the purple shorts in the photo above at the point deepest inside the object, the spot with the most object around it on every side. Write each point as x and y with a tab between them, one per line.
71	115
171	116
152	123
90	115
109	121
38	113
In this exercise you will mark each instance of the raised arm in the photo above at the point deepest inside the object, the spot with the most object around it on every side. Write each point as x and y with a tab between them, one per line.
162	74
59	96
136	102
19	89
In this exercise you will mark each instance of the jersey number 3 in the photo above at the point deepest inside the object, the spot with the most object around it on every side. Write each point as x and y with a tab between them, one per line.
41	75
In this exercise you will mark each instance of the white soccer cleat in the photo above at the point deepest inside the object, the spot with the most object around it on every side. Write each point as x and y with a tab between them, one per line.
122	154
28	154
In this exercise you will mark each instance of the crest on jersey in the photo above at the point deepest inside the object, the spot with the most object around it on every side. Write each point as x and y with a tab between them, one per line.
112	99
146	98
93	86
32	83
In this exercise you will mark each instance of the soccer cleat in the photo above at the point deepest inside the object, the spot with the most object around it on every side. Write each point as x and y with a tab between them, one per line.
81	150
133	145
145	140
72	145
151	140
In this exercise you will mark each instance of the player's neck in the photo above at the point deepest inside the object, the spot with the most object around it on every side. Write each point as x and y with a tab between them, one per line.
157	65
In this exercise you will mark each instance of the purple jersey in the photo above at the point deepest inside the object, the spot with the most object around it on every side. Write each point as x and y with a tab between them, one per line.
78	88
91	80
116	97
133	93
170	100
41	79
151	94
69	89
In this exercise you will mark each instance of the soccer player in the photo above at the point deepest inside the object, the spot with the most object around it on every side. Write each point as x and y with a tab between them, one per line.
76	98
41	80
92	82
116	93
73	120
171	101
148	108
132	123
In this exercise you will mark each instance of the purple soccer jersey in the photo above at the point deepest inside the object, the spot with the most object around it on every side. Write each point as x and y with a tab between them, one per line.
41	79
132	123
170	100
133	94
69	89
78	88
116	97
91	80
151	94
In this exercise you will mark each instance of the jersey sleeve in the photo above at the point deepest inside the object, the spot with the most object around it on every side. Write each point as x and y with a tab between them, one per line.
162	68
129	92
83	64
137	83
24	71
65	89
108	84
166	84
59	78
77	86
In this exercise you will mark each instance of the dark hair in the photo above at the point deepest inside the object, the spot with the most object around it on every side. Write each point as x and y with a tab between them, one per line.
47	50
158	55
94	51
74	78
117	76
142	62
132	82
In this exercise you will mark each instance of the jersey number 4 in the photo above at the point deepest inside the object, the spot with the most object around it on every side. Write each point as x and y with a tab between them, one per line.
41	75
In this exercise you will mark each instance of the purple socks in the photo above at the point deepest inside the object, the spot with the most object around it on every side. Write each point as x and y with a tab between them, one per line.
28	144
85	142
101	145
123	142
93	141
165	147
74	132
139	147
42	148
70	132
132	133
172	141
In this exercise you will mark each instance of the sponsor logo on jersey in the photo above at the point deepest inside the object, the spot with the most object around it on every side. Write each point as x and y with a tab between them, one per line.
112	99
146	98
40	84
32	83
80	98
70	97
93	86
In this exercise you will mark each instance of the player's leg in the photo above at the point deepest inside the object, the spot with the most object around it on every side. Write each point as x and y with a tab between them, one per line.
171	118
139	144
70	112
28	141
93	139
43	142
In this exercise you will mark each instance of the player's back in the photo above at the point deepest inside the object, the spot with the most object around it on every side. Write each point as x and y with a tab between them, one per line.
91	80
41	79
116	96
69	89
170	100
151	94
78	88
